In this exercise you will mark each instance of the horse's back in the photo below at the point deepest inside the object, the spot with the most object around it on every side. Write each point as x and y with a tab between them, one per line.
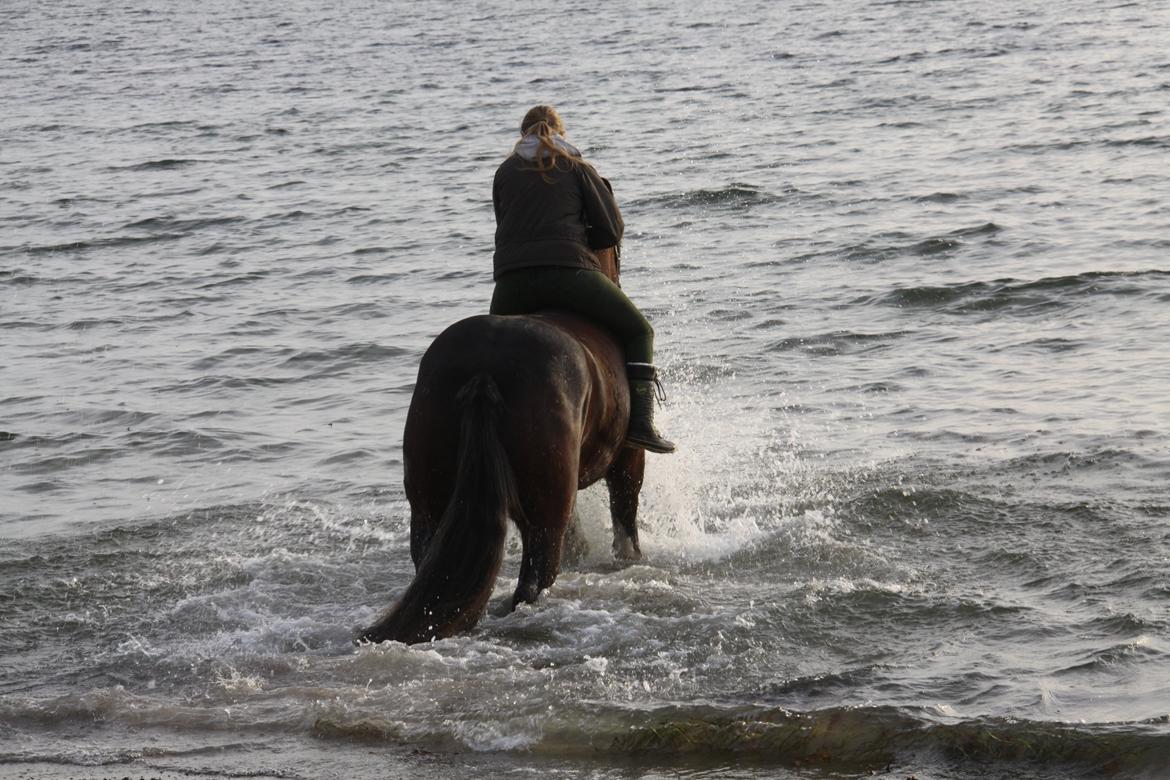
486	341
560	379
535	351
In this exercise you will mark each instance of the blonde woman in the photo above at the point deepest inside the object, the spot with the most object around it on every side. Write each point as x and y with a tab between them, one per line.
552	210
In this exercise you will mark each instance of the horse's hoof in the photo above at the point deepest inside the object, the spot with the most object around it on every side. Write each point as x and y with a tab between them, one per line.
625	550
526	593
371	635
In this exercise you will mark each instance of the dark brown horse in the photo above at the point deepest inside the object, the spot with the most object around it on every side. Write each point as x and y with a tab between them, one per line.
510	417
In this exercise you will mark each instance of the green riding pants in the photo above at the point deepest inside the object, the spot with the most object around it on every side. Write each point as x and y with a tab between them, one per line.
581	291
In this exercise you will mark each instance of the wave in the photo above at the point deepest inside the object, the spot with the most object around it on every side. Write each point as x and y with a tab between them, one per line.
865	739
898	243
171	124
102	243
1013	293
18	276
186	225
917	500
736	195
1156	141
234	280
1151	141
167	164
55	463
393	276
211	383
939	197
128	323
838	342
341	358
347	356
874	738
1105	460
839	739
1106	660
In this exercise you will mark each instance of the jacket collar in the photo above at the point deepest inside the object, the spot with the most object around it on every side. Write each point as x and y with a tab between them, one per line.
528	147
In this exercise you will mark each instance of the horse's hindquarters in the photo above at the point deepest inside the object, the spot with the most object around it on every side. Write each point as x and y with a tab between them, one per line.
510	415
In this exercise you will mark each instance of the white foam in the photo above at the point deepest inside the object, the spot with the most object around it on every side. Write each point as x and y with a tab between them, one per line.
499	734
735	479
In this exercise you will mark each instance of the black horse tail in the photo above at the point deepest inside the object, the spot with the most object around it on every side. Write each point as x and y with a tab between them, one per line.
455	577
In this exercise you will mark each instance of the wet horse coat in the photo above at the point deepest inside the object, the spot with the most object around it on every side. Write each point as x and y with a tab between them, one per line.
510	417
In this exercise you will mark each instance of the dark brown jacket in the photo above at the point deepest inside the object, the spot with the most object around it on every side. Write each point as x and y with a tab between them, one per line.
556	222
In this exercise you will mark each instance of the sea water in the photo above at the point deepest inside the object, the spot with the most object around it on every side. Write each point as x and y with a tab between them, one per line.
908	267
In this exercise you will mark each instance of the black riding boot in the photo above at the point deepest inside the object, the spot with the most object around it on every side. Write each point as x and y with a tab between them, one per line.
642	433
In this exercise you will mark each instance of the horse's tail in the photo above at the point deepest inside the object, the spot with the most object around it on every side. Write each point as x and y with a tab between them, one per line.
455	577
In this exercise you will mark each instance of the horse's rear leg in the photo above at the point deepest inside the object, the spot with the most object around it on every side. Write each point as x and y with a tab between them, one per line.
542	532
624	480
428	499
422	528
430	449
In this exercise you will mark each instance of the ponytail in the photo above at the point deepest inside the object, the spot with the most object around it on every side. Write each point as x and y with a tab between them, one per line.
544	124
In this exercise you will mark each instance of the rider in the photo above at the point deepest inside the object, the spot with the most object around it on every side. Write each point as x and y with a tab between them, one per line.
552	209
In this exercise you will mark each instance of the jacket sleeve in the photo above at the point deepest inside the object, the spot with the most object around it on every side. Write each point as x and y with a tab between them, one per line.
496	196
603	219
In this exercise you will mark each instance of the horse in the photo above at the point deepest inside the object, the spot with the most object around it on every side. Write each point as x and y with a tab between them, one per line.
510	417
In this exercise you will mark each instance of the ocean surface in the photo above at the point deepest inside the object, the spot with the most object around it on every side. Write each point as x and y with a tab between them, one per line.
909	268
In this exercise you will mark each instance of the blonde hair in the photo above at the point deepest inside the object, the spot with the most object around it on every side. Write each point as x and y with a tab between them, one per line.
545	124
